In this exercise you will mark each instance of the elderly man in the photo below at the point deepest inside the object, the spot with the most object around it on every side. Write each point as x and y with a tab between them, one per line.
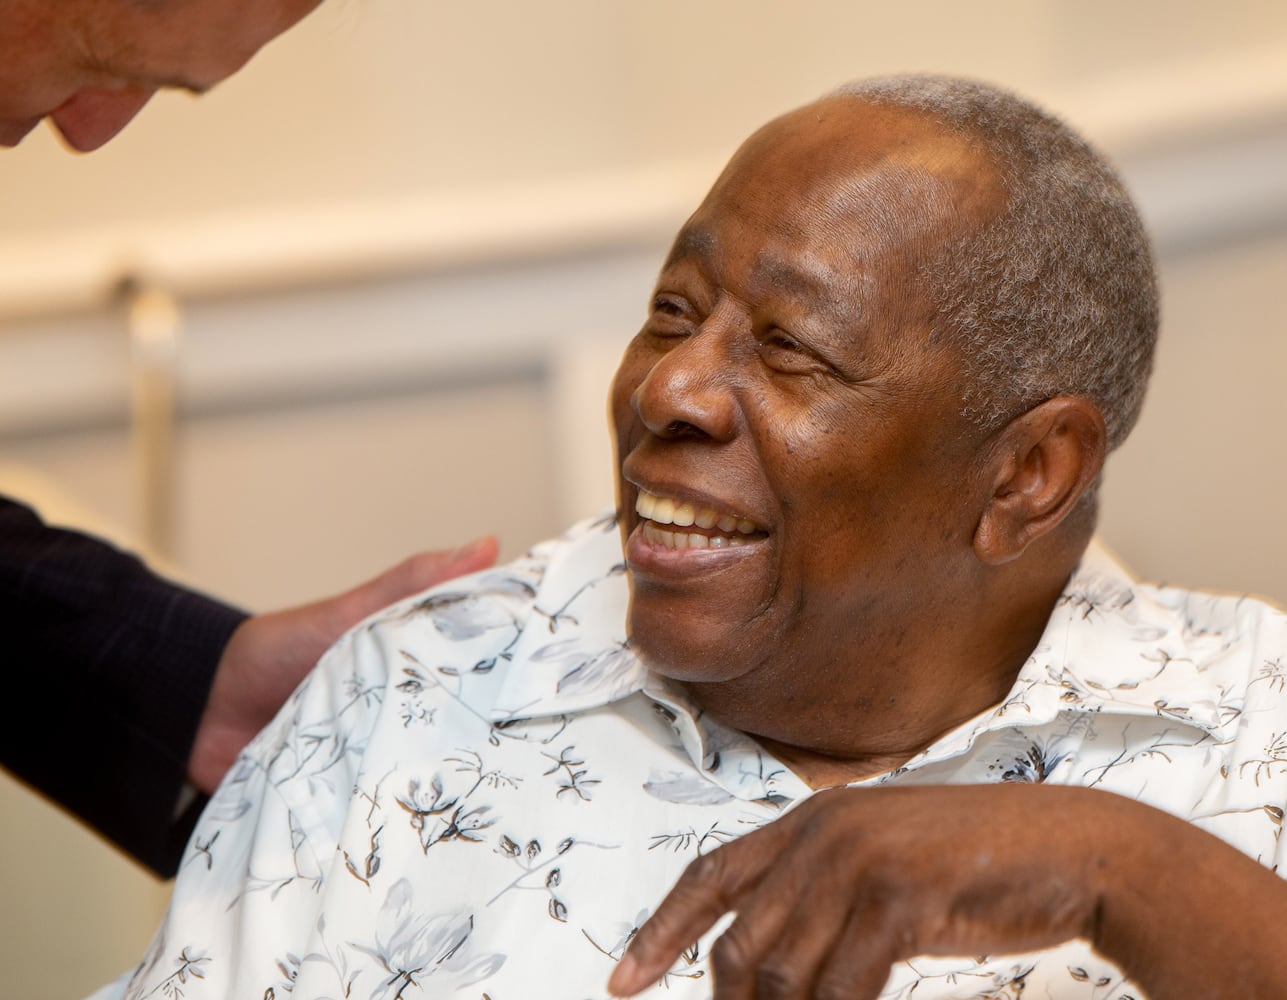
859	439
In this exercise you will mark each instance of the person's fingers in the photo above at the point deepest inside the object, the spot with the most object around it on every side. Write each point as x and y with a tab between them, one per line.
789	924
268	654
790	954
866	948
426	569
709	887
419	572
737	957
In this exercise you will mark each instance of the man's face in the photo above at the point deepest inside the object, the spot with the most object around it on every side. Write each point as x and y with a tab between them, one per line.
90	65
784	404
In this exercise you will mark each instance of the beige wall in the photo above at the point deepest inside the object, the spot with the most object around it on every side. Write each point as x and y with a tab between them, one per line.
1196	495
410	239
399	97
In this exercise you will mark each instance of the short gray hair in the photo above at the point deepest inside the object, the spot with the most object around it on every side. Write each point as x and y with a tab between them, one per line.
1055	295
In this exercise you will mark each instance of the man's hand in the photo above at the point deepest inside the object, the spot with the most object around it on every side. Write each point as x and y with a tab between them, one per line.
269	654
831	895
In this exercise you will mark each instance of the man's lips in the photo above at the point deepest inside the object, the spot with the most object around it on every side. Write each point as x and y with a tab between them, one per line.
681	524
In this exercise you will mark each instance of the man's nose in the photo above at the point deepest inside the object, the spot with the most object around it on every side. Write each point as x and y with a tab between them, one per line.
690	391
92	116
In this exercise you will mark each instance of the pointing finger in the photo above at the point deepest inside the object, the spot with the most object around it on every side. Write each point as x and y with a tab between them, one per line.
710	887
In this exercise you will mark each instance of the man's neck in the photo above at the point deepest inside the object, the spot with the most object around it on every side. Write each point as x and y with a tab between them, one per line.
868	718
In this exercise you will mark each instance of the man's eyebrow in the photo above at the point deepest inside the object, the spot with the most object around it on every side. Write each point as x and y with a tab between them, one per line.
699	243
816	286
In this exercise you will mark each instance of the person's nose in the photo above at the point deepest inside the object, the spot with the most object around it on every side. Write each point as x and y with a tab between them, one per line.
690	391
92	116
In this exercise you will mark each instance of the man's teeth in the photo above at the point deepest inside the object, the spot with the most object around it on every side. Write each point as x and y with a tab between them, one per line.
662	510
688	540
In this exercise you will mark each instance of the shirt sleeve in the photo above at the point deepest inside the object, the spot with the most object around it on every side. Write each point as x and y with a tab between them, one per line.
109	670
246	911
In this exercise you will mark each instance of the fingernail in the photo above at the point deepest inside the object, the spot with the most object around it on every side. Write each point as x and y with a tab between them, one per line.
473	547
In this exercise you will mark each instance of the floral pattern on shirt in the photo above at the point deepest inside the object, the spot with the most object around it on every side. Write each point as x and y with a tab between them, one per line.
480	792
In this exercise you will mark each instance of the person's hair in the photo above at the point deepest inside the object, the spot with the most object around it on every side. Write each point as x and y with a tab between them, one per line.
1055	295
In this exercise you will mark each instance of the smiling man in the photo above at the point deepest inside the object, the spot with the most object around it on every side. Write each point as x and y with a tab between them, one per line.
791	374
89	66
859	440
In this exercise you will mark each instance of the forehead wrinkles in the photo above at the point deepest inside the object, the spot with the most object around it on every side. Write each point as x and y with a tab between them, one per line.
839	219
890	211
896	176
863	236
799	275
895	214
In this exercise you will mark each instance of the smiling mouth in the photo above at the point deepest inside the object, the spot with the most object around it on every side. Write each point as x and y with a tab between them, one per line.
692	527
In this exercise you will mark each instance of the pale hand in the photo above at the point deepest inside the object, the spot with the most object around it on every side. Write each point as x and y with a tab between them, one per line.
269	654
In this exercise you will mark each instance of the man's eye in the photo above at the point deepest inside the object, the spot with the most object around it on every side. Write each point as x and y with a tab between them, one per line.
784	353
670	316
667	306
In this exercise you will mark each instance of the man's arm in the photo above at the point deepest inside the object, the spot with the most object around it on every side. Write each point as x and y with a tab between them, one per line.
831	895
122	685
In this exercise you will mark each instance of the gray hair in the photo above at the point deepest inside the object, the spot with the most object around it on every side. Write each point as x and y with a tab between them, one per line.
1055	295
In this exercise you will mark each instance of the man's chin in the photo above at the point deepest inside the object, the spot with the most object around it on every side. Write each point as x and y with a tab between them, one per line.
682	650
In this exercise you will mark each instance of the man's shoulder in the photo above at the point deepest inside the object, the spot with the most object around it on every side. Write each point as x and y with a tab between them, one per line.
1216	630
469	633
538	583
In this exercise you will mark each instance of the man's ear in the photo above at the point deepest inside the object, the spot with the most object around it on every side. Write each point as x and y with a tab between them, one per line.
1042	463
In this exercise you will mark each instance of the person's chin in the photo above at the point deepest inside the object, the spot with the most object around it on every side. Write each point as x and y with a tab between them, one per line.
685	653
685	634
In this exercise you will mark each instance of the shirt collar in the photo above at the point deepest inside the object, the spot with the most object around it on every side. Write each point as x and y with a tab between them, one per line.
571	655
1109	647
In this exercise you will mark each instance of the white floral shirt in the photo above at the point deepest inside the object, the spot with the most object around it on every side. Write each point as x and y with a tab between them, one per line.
481	793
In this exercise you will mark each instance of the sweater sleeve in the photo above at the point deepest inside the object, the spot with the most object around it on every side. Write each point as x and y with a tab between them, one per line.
108	670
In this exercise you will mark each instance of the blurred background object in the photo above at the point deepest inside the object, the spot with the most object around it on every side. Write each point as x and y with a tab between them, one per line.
406	245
